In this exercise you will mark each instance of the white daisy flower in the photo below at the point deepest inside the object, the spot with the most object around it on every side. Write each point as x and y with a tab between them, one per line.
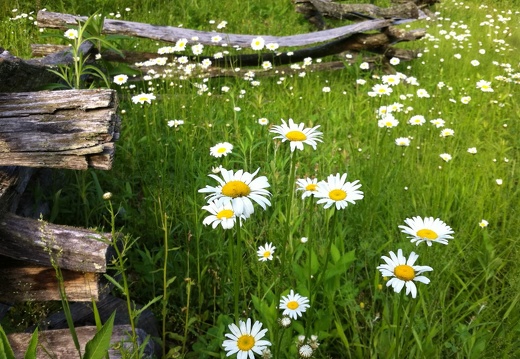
484	86
294	305
336	191
257	43
446	157
143	97
307	185
447	132
297	135
245	340
240	187
265	252
71	34
404	272
221	149
120	79
402	141
222	214
427	230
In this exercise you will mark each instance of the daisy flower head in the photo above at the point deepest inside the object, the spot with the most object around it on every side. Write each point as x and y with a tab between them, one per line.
120	79
222	214
388	121
417	120
143	97
272	46
263	121
427	230
294	305
335	190
483	223
221	149
71	34
438	122
265	252
484	86
241	188
402	141
257	43
422	93
307	185
394	61
245	340
382	89
447	132
403	272
305	351
297	135
446	157
472	150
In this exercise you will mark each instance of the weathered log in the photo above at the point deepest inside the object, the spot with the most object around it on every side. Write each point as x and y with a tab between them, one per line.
35	242
407	10
71	129
60	345
20	75
83	315
13	181
171	34
23	282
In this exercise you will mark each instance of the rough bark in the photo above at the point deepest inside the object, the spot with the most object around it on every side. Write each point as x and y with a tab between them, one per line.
172	34
35	242
356	12
72	129
83	315
23	282
60	345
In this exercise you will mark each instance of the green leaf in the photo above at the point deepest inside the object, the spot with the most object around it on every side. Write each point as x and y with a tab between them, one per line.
334	252
114	282
98	346
5	348
33	344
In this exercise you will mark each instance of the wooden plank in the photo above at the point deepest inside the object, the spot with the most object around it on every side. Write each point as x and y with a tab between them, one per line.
58	129
358	12
23	282
60	345
171	34
72	248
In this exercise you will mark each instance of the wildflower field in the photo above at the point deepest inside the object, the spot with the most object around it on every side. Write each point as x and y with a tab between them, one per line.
345	214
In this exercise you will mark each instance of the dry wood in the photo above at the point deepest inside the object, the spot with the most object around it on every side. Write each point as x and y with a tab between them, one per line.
61	129
82	315
61	346
23	282
34	241
13	181
20	75
172	34
407	10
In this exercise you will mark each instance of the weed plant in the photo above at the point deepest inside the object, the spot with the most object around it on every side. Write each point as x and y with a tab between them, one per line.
440	138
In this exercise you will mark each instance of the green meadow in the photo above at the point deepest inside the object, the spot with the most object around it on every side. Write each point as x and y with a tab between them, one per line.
438	137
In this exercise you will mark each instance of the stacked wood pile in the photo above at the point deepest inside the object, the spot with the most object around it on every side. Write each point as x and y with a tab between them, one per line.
72	129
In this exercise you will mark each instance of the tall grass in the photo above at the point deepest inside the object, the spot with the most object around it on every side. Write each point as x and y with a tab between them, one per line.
470	307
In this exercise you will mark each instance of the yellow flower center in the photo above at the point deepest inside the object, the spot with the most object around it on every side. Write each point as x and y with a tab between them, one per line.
388	124
311	187
225	213
337	194
267	254
293	305
427	233
221	150
404	272
235	189
245	342
296	136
